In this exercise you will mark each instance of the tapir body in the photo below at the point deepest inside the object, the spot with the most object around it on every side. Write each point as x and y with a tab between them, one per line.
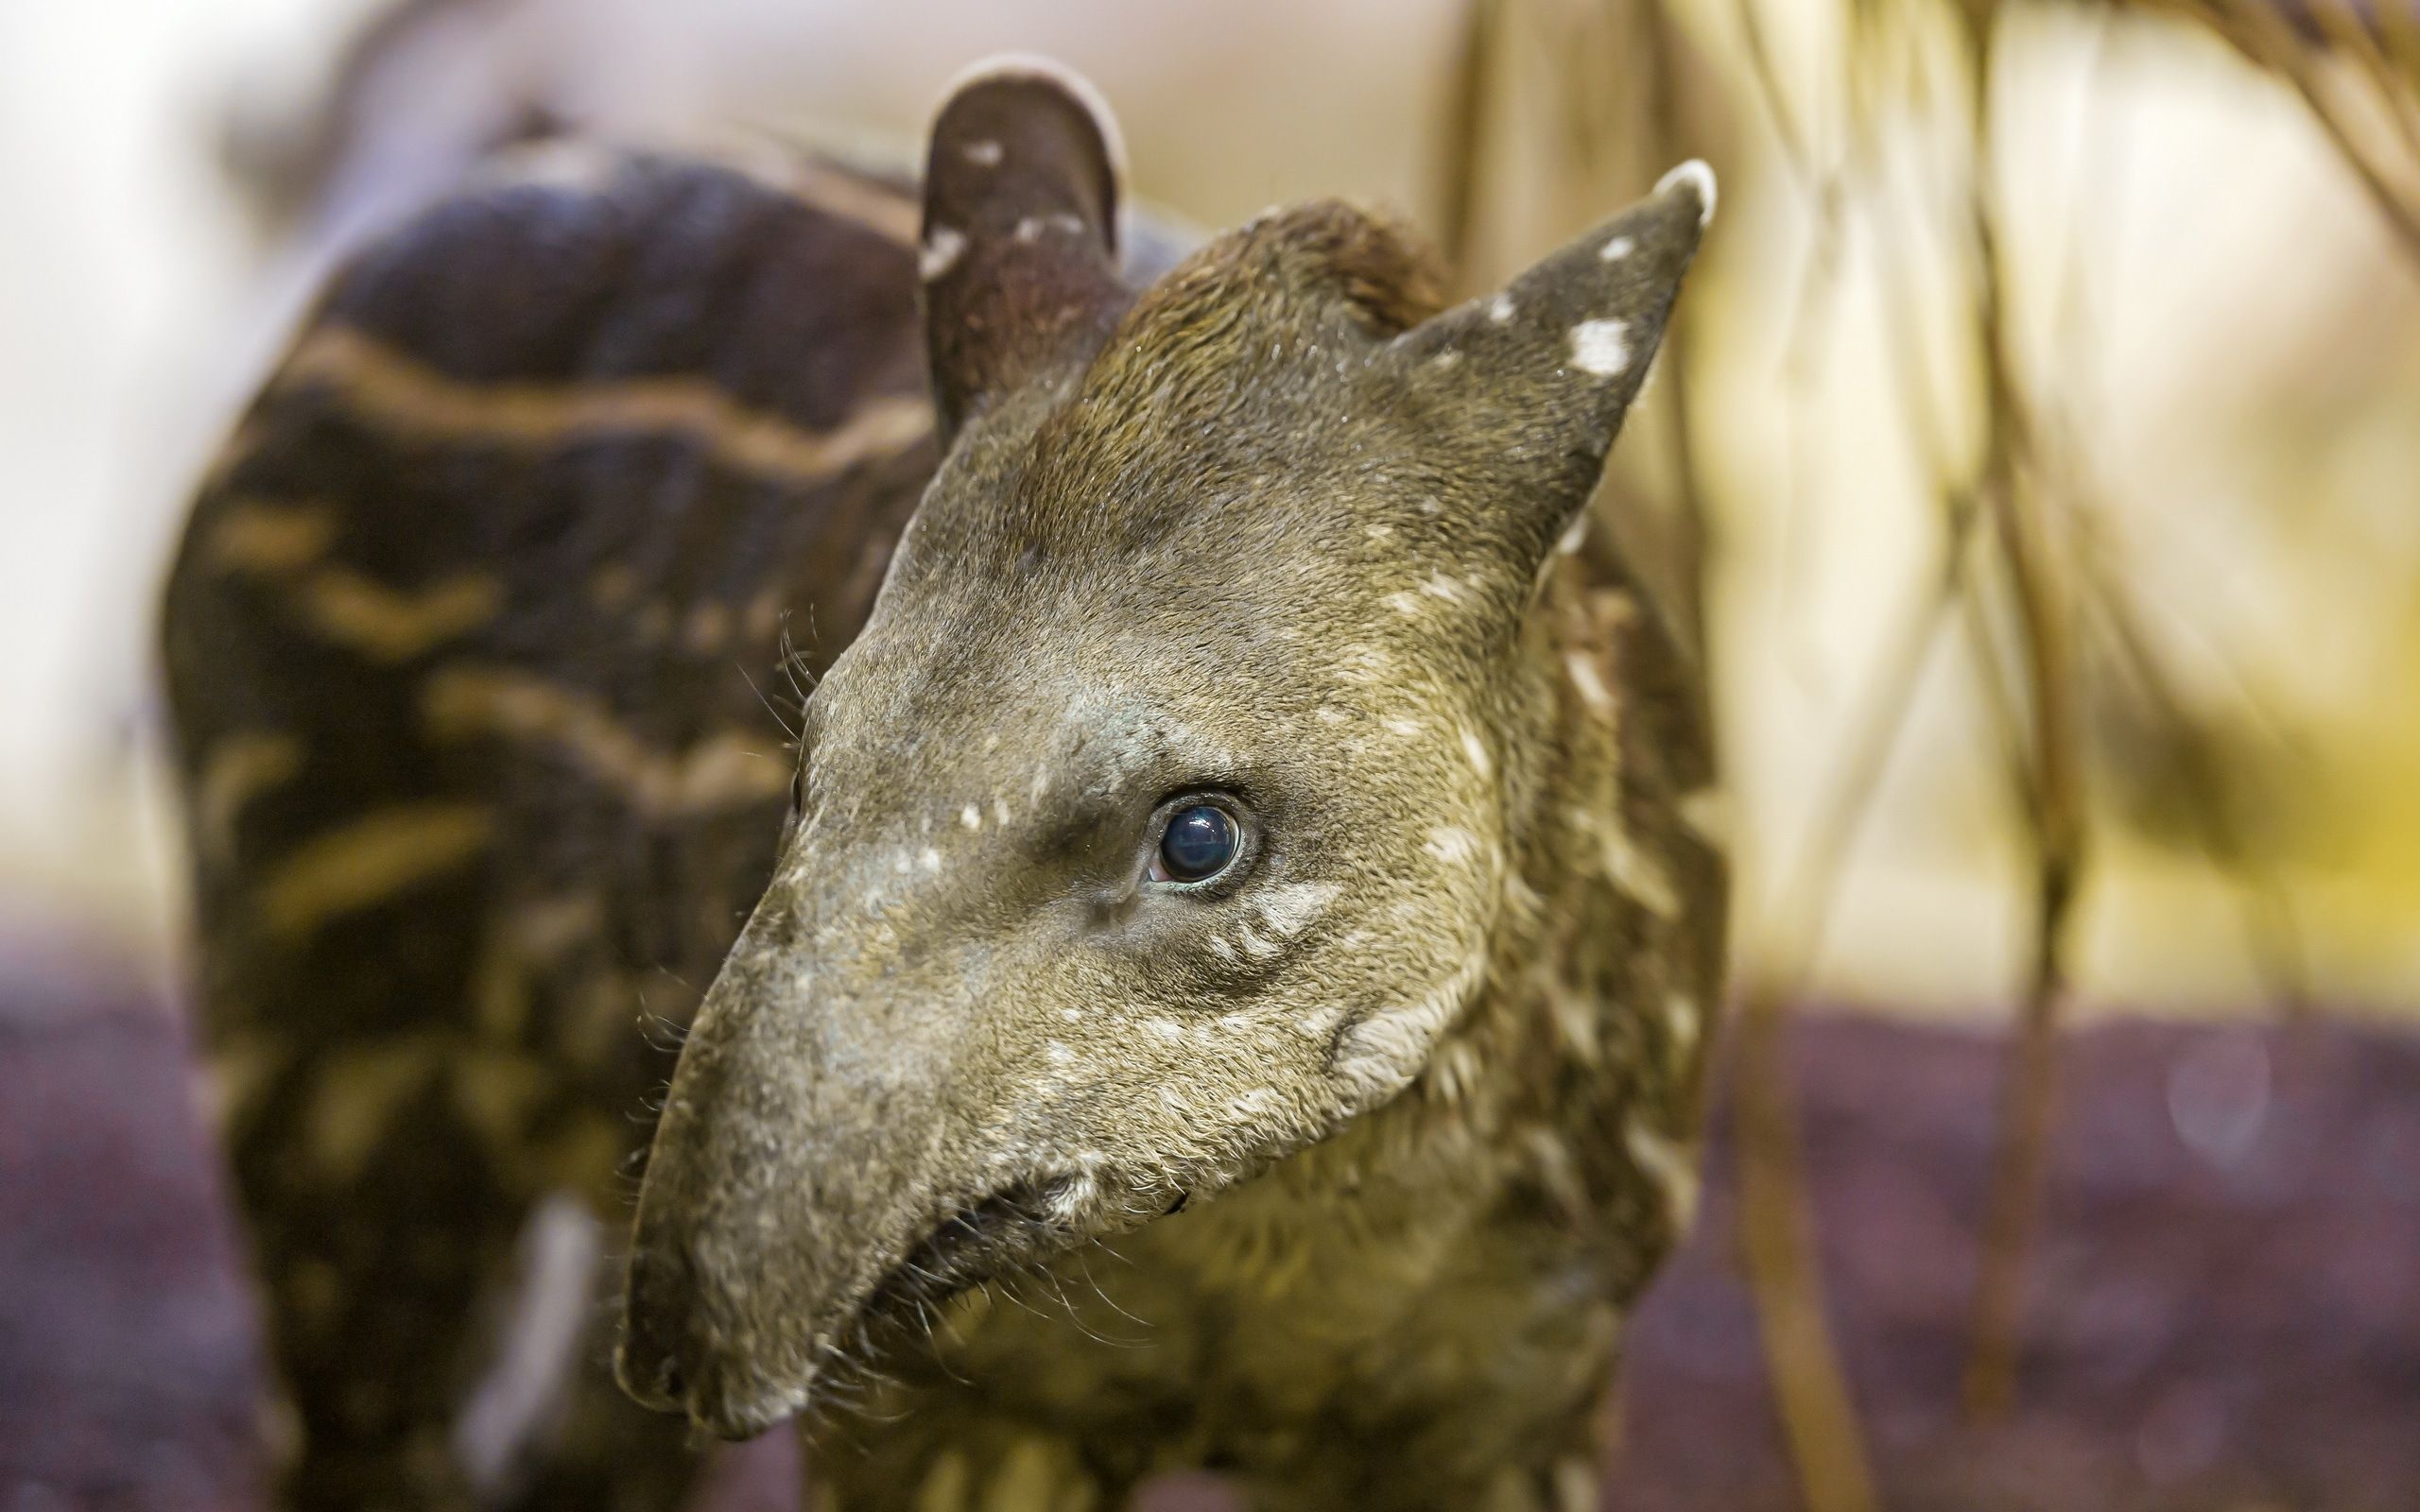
1225	961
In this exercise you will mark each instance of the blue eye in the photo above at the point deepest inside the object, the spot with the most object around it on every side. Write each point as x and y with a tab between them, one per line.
1198	843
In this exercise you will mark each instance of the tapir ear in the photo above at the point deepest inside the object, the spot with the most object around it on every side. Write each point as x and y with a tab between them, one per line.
1020	247
1531	383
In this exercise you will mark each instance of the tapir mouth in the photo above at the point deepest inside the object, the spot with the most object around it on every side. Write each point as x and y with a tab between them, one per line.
726	1393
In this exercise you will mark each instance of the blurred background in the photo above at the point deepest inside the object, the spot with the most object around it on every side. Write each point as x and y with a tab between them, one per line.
2208	320
2039	453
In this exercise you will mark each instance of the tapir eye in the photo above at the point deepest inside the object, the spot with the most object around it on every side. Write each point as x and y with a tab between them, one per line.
1200	841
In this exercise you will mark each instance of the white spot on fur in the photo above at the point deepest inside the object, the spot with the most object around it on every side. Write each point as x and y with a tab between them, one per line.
1616	249
1452	844
1330	714
1072	1015
1695	174
1405	726
970	817
1000	811
1060	1054
1445	358
1251	1104
1031	227
1593	692
991	743
942	251
1477	750
984	153
1574	535
1671	1167
931	859
1403	603
1441	585
1501	309
1167	1029
1634	873
1363	664
1576	1486
1220	948
1381	532
1600	347
1291	909
1682	1021
1256	947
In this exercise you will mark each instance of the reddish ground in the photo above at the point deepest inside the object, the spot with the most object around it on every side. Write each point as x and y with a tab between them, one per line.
2225	1315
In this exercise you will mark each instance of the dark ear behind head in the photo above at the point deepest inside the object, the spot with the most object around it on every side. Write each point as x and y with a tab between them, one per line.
1535	380
1020	245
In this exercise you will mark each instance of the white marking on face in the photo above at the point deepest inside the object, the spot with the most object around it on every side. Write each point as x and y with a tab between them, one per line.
1699	177
1600	347
943	248
1386	1050
970	817
1593	690
1501	309
1029	229
931	858
1256	947
1220	948
1477	750
1289	910
1616	249
1363	664
983	153
1452	844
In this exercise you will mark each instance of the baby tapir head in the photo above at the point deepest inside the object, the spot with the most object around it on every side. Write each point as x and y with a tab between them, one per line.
1156	823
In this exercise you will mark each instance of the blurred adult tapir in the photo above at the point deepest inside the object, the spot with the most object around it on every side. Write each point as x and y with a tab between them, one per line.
1215	974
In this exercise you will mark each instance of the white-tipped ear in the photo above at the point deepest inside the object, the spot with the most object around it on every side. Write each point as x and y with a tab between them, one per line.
1019	260
1534	380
